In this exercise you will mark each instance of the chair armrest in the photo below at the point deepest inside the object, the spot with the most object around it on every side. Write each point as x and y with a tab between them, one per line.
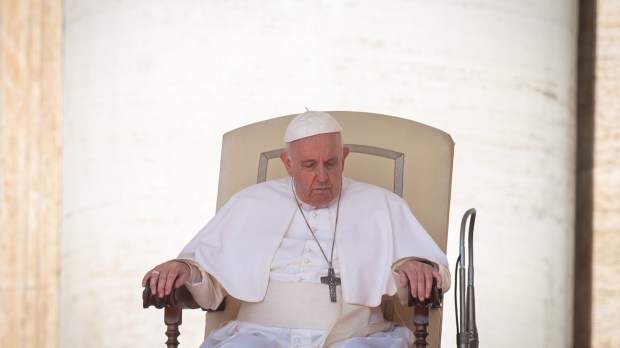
179	297
434	301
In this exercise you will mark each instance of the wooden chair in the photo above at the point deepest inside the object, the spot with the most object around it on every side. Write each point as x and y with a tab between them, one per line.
410	158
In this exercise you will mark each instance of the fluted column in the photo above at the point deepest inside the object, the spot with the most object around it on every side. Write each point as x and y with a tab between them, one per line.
30	99
606	179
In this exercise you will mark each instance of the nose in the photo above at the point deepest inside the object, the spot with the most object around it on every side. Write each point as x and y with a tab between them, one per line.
321	174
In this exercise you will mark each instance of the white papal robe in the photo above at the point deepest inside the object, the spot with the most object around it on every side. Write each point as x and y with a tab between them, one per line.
260	236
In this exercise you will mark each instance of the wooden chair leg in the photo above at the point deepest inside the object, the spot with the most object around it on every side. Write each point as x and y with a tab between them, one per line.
173	305
173	317
420	321
421	314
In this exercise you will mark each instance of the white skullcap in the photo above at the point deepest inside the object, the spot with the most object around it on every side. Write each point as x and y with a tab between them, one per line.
311	123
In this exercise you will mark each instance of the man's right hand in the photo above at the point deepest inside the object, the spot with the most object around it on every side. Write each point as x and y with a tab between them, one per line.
163	277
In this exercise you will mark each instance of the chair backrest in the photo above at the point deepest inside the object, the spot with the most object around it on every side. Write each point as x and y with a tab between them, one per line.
405	156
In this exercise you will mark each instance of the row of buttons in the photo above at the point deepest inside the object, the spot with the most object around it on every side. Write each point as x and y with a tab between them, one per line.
309	250
306	260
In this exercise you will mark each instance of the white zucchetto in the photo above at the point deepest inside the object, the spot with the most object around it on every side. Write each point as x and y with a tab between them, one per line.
311	123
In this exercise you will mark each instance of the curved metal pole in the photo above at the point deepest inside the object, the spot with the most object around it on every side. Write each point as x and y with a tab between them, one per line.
471	301
467	335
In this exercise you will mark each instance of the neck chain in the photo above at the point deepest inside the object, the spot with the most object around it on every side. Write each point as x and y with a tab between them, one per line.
331	278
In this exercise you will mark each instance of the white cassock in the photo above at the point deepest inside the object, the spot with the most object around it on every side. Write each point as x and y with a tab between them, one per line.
258	247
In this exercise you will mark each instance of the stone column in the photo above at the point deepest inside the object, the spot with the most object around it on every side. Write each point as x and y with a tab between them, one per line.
30	108
606	179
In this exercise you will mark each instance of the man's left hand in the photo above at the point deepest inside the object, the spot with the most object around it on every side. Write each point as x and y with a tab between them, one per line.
420	275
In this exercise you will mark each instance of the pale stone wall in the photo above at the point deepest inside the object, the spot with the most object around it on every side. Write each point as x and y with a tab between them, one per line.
151	86
30	95
606	180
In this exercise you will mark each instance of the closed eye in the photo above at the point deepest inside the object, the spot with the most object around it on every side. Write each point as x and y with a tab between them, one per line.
308	164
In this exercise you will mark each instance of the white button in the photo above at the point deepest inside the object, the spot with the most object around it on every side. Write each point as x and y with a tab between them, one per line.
309	250
300	279
314	229
306	261
315	214
296	339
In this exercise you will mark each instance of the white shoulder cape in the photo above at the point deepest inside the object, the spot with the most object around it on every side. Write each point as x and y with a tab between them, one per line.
375	229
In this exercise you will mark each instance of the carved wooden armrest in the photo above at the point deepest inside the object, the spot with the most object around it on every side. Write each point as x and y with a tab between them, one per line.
421	311
179	297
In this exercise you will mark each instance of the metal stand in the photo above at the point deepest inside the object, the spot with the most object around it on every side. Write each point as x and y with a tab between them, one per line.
467	331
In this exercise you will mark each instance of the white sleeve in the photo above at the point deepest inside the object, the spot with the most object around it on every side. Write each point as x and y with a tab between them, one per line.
206	291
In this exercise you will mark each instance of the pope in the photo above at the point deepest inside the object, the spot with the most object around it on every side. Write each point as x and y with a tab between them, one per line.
310	255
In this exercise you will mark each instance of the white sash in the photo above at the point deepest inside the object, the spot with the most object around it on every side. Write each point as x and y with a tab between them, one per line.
294	306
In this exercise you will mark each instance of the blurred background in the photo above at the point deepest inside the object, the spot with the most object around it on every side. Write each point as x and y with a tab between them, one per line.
112	114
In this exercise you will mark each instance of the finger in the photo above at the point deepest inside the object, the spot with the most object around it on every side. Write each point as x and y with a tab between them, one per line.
170	280
153	285
428	278
145	279
161	284
437	276
421	286
413	283
178	282
404	279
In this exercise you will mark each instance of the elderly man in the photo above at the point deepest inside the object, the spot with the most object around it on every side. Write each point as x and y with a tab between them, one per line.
310	255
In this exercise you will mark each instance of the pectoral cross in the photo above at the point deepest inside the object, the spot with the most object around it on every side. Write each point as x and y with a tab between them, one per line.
332	281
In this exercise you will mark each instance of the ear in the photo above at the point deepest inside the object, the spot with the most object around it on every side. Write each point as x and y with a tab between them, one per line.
345	153
286	161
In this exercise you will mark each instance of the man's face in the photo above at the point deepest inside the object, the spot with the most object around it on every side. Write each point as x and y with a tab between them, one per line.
316	164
